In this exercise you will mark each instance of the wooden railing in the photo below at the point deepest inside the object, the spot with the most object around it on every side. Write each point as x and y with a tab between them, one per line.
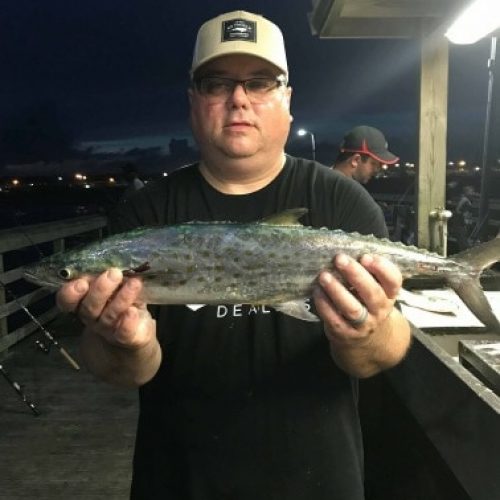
19	238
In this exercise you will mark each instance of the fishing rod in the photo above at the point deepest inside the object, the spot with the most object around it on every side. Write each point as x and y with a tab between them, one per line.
20	392
47	334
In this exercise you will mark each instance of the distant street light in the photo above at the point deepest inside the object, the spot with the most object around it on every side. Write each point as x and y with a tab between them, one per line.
301	132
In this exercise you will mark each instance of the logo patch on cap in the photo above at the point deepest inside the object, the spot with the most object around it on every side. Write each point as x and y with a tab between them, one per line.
239	29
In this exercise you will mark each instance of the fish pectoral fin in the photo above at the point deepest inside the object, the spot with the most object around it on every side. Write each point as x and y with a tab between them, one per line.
286	218
297	309
427	303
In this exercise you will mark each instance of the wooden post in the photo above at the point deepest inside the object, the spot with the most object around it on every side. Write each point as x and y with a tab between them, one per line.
431	182
3	321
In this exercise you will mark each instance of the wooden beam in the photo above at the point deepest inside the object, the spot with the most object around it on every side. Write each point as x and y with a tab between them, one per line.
15	305
431	175
4	330
25	236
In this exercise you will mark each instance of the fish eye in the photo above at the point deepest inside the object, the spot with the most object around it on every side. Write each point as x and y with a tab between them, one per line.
65	273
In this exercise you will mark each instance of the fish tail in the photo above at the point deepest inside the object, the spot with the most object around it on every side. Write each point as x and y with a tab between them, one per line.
472	294
469	289
481	256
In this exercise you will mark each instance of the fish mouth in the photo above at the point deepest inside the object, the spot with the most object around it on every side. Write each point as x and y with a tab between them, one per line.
38	280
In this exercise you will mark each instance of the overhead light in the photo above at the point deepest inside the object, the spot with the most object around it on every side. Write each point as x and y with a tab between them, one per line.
479	19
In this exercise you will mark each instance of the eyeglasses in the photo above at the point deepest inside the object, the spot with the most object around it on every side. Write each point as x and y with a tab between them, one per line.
218	89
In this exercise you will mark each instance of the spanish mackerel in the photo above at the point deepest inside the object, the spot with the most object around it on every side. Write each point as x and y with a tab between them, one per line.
273	262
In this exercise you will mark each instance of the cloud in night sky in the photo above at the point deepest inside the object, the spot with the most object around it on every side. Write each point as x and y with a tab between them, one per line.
118	71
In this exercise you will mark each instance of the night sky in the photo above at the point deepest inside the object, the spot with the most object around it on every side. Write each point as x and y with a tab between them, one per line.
115	72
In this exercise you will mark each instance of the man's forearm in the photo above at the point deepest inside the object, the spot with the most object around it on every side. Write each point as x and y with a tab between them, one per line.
121	366
381	350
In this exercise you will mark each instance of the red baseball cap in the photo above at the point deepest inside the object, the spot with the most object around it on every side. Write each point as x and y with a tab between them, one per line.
369	141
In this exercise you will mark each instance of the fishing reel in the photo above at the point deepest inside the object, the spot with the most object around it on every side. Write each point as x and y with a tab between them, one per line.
43	347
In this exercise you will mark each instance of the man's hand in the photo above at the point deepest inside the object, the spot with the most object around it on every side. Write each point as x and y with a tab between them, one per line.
119	341
366	332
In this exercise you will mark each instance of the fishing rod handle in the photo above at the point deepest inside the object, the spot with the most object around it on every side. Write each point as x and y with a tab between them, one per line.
70	360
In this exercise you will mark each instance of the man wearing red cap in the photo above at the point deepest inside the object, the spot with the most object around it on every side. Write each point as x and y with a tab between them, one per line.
362	153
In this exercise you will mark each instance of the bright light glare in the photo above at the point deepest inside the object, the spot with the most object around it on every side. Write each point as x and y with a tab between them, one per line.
476	21
301	132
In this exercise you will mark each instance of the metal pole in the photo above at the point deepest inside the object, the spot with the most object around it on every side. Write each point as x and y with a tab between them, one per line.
439	230
484	199
313	144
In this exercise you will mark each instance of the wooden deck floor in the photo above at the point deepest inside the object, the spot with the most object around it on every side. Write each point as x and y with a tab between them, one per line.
81	445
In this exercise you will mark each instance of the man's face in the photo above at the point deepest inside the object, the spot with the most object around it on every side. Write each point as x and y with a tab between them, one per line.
236	127
469	190
366	169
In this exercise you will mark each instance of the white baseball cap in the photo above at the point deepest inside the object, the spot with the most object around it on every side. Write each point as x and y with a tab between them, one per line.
240	32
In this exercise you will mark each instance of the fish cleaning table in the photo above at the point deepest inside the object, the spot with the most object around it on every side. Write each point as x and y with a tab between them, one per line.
482	358
454	405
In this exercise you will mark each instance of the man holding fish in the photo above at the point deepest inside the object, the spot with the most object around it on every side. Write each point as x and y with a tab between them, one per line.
252	403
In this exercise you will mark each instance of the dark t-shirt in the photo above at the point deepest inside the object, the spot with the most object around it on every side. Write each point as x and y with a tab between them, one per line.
248	403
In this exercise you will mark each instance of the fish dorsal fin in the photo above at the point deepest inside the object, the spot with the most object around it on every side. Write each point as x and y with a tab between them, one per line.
286	218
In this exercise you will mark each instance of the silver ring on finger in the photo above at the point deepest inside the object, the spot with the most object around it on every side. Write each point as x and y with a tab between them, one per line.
360	319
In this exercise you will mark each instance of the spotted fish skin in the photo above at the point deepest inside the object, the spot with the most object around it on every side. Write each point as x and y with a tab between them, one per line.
273	262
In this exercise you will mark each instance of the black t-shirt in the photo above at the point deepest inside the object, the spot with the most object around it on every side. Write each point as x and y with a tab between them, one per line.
248	403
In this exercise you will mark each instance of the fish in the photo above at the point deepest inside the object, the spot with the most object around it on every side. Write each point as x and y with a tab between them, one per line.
272	262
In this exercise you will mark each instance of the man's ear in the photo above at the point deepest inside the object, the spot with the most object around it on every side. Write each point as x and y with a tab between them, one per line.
355	160
289	96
